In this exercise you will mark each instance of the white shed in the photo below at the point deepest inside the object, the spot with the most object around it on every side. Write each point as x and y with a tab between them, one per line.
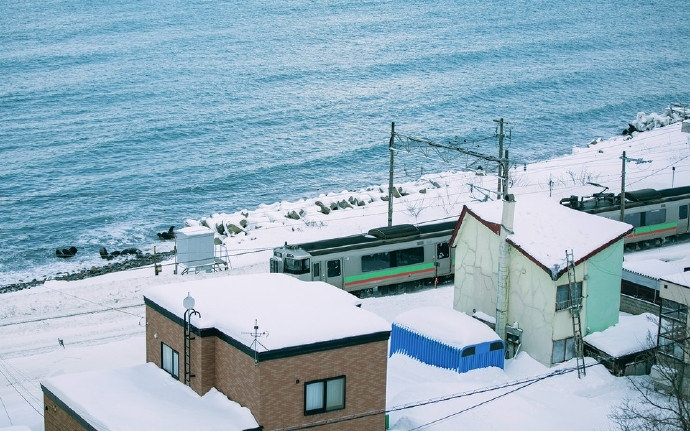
195	248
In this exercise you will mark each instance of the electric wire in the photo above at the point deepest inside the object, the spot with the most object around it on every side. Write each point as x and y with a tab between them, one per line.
517	385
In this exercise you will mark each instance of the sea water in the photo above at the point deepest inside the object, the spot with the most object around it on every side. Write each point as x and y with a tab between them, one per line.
121	118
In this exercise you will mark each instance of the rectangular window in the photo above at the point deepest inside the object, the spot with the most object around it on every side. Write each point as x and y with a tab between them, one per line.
468	351
333	267
442	250
563	350
564	298
633	219
410	256
682	212
316	271
296	266
326	395
496	345
376	261
170	360
655	217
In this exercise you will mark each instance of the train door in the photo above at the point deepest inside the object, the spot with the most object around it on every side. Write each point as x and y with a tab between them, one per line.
442	259
683	220
334	272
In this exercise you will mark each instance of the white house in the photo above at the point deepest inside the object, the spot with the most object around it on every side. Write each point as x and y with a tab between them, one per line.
510	262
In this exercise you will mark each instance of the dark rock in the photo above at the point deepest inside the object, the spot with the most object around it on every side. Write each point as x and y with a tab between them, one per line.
66	252
167	235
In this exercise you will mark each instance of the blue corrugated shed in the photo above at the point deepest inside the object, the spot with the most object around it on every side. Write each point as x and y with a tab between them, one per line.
447	339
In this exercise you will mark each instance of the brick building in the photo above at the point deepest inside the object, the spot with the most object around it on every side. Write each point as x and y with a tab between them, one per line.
294	353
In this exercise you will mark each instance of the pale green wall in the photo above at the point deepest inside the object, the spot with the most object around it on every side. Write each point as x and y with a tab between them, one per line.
603	289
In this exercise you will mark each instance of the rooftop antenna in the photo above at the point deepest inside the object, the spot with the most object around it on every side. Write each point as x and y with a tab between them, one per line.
256	334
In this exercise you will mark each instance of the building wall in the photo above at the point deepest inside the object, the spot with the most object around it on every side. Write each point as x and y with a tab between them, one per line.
681	295
604	271
532	305
55	418
364	367
202	350
476	267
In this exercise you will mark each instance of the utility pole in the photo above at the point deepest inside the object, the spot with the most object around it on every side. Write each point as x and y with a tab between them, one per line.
622	196
391	149
500	154
623	187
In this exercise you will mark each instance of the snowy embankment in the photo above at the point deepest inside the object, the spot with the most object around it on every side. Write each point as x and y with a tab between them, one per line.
98	323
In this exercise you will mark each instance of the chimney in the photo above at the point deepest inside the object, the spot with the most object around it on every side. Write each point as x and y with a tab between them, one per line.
508	215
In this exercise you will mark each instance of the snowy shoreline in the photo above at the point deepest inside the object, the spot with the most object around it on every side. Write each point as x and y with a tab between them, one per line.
247	235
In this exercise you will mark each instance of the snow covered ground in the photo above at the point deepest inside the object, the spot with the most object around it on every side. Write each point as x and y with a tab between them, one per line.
98	323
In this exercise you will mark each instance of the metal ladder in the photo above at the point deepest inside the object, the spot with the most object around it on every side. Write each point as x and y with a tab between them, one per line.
575	308
187	352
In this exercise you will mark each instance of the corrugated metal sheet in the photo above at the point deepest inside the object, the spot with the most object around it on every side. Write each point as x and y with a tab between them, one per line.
433	352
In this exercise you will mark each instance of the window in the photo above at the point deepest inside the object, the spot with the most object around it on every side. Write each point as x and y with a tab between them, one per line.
333	268
468	351
170	360
496	345
296	266
442	250
409	256
682	212
633	219
376	261
655	217
385	260
324	395
564	299
563	350
316	271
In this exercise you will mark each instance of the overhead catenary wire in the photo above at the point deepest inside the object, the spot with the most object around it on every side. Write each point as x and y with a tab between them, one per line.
517	385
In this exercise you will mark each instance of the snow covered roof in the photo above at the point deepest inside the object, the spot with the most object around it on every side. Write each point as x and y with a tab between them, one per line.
679	278
446	325
292	312
544	230
632	334
647	267
147	398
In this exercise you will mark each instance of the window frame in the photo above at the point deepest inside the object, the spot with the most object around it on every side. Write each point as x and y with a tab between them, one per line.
323	405
567	303
568	350
174	360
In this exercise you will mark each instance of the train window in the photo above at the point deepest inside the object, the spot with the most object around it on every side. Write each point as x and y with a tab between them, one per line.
655	217
296	266
442	250
409	256
333	267
316	270
376	261
633	219
682	212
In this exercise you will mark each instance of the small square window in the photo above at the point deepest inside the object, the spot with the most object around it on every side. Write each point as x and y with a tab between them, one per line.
322	396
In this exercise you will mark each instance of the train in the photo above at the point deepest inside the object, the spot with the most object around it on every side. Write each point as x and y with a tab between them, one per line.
656	215
385	259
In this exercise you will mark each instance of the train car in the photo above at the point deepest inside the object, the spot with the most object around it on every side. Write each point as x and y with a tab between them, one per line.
656	215
383	258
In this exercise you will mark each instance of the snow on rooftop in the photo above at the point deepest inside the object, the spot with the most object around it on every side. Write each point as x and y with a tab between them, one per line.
545	230
291	311
147	398
446	325
658	262
631	334
680	278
